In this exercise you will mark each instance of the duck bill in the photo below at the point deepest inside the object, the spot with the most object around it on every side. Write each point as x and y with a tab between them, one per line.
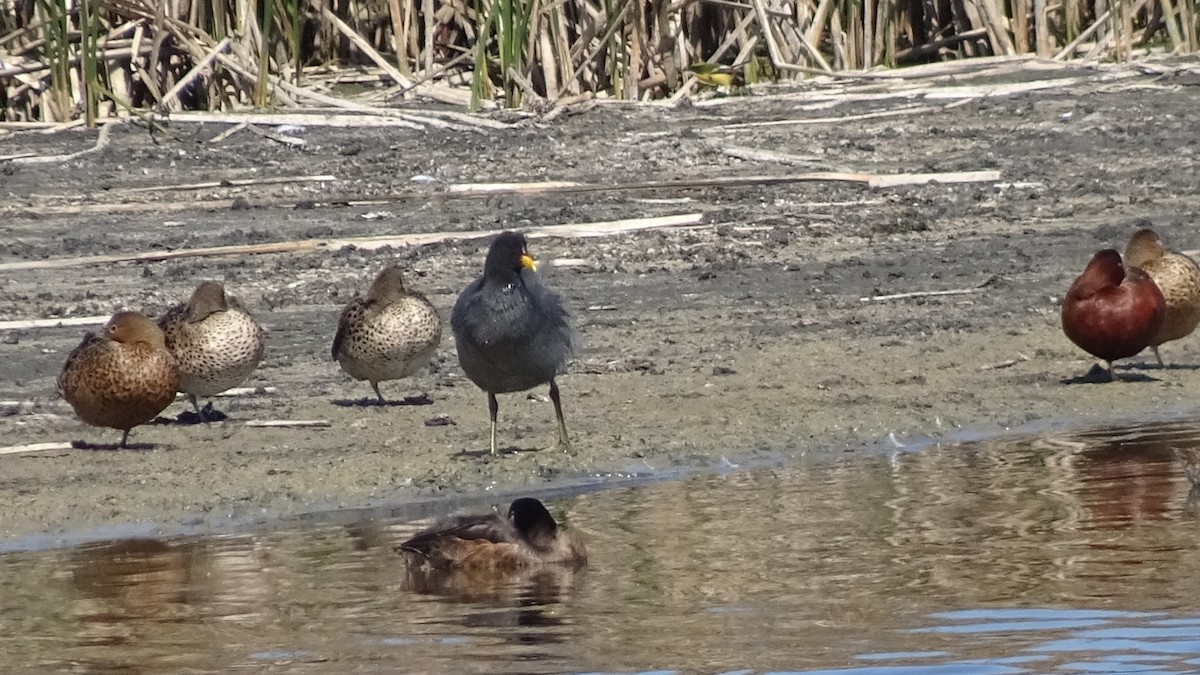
528	263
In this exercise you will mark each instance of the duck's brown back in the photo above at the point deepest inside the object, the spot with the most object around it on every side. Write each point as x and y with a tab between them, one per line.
110	384
215	353
1115	322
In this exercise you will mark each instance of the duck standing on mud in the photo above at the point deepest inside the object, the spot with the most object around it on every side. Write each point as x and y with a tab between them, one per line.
526	537
511	332
1177	277
122	377
215	341
389	334
1110	312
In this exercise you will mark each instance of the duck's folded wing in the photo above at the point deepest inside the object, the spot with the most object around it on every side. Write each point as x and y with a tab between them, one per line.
490	528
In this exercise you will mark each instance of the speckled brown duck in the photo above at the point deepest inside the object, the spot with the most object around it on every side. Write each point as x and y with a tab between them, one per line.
526	537
1178	279
1112	312
511	332
215	341
122	377
390	333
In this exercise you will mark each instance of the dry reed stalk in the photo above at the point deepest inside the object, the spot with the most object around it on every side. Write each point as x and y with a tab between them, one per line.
1174	31
170	99
634	49
1020	25
1041	25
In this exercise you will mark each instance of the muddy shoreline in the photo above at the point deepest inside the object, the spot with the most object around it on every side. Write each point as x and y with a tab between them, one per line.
744	339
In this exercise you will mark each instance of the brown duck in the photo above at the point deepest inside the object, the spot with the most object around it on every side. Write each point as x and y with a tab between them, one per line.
1177	277
1110	312
389	334
122	377
527	537
215	341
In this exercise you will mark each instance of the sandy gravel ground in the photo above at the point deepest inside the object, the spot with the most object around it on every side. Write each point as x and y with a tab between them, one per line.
743	339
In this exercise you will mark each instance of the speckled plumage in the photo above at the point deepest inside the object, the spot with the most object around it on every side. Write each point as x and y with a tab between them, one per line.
511	332
1177	277
214	339
122	377
388	334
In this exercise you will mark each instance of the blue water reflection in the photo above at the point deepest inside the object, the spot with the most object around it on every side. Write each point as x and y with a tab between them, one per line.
1055	554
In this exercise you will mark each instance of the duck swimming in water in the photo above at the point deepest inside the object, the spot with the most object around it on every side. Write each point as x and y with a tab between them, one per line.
526	537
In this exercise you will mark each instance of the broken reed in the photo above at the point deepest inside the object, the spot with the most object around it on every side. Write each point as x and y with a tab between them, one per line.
63	58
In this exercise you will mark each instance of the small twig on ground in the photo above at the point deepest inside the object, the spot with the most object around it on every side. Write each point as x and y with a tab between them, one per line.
53	323
240	126
35	447
277	137
1005	364
247	391
101	143
900	112
300	119
756	155
315	424
232	182
921	294
303	245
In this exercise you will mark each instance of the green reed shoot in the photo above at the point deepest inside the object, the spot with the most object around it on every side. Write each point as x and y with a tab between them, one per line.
504	26
56	31
89	55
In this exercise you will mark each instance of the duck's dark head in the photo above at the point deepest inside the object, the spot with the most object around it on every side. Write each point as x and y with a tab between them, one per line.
508	255
388	286
530	517
208	298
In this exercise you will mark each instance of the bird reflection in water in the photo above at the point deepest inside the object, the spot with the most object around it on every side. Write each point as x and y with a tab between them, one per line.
532	597
1125	481
1189	457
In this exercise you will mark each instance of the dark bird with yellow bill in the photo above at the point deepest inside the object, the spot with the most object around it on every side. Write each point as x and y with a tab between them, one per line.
510	331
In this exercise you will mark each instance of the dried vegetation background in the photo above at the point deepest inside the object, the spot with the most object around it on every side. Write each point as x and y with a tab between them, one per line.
62	61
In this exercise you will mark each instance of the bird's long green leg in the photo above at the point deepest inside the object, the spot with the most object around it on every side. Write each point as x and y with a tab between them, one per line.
493	408
375	386
1158	357
564	443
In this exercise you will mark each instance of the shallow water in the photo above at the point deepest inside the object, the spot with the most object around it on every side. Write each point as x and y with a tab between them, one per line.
1057	554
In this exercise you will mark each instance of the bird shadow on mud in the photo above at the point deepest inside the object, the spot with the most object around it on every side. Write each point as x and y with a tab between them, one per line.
368	402
1168	366
1098	375
116	447
500	452
189	418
